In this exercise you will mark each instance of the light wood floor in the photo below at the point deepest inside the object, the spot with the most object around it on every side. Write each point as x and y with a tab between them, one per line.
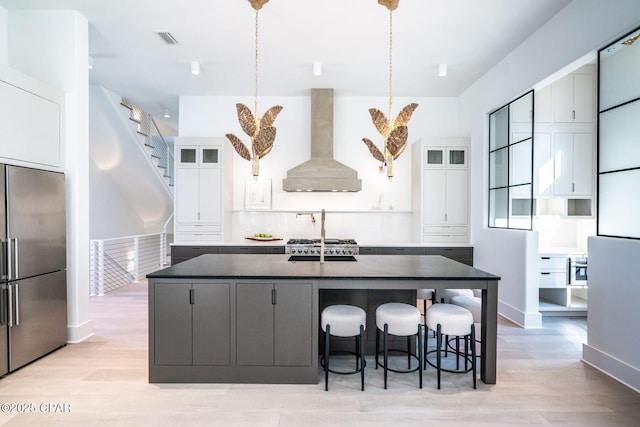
104	381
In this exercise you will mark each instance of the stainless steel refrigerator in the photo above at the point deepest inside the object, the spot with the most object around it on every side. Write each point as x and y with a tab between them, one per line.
33	285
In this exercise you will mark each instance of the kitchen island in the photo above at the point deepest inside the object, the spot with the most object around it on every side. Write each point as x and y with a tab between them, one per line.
255	318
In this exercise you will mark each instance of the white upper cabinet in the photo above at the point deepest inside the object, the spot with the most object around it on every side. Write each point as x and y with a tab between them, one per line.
543	176
573	99
31	118
573	154
543	105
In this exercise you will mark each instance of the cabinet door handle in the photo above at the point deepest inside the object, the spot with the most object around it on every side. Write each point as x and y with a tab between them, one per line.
545	274
445	217
192	296
573	187
573	113
274	300
545	257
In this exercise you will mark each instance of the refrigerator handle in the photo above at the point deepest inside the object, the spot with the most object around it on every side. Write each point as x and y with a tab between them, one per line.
10	304
16	260
9	260
17	294
3	307
3	260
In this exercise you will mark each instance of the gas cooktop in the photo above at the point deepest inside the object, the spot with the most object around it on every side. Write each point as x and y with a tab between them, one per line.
312	247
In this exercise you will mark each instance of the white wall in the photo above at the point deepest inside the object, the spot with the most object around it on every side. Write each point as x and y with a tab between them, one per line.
577	30
614	292
216	116
118	153
111	213
52	46
4	35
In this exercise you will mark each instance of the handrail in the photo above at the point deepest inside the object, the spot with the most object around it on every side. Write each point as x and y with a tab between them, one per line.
154	139
118	261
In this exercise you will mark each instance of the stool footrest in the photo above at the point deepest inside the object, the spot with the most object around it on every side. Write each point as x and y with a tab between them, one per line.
400	371
363	363
453	371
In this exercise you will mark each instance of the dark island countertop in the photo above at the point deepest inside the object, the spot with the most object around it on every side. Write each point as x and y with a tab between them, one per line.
367	267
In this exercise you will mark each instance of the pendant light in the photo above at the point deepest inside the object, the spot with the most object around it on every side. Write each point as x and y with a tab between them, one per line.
394	132
259	129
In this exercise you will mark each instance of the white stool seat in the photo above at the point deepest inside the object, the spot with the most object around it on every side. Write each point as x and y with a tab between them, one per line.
345	320
425	294
453	320
473	304
445	295
402	319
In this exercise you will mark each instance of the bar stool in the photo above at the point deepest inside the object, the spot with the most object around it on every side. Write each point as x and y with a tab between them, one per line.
343	321
425	295
474	305
445	295
452	320
399	319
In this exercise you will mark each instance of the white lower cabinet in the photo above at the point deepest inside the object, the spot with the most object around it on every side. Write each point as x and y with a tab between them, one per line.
556	295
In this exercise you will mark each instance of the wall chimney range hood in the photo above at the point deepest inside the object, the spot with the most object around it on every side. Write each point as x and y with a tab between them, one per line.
322	172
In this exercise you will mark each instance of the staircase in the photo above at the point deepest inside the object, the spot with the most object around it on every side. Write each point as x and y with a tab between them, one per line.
133	164
160	154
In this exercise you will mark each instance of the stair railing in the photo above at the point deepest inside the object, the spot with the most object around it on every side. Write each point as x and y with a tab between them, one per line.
119	261
154	140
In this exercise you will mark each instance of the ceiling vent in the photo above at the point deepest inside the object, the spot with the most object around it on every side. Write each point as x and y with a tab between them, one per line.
167	37
322	172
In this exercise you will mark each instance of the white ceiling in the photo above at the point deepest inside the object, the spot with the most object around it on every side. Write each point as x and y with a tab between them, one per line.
349	37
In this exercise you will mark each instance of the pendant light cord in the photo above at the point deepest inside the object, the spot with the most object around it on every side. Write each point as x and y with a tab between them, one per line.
255	102
390	62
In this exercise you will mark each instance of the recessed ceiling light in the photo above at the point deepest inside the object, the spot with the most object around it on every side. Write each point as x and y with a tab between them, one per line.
195	68
442	70
166	113
317	68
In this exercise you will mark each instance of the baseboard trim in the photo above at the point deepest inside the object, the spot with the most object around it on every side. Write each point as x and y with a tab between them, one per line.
79	333
525	320
610	366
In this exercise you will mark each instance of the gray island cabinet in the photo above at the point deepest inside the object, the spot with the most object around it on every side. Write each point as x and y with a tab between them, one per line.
232	318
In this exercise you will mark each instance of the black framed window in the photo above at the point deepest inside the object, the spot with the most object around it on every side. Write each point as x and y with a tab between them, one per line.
511	165
618	203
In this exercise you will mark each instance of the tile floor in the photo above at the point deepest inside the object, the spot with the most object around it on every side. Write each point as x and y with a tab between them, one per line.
103	381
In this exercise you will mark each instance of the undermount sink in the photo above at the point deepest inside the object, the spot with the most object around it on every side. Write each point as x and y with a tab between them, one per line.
316	258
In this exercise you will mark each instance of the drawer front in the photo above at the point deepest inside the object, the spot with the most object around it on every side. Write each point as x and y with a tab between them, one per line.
445	229
197	228
198	237
445	238
193	251
556	279
551	263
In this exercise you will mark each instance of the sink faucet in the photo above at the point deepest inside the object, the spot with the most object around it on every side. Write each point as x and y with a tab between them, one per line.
322	217
313	218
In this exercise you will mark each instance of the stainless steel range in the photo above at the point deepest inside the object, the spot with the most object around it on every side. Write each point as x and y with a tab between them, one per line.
311	247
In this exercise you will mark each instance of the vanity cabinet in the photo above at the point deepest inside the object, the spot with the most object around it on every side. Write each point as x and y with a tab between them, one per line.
192	324
440	198
202	189
274	324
